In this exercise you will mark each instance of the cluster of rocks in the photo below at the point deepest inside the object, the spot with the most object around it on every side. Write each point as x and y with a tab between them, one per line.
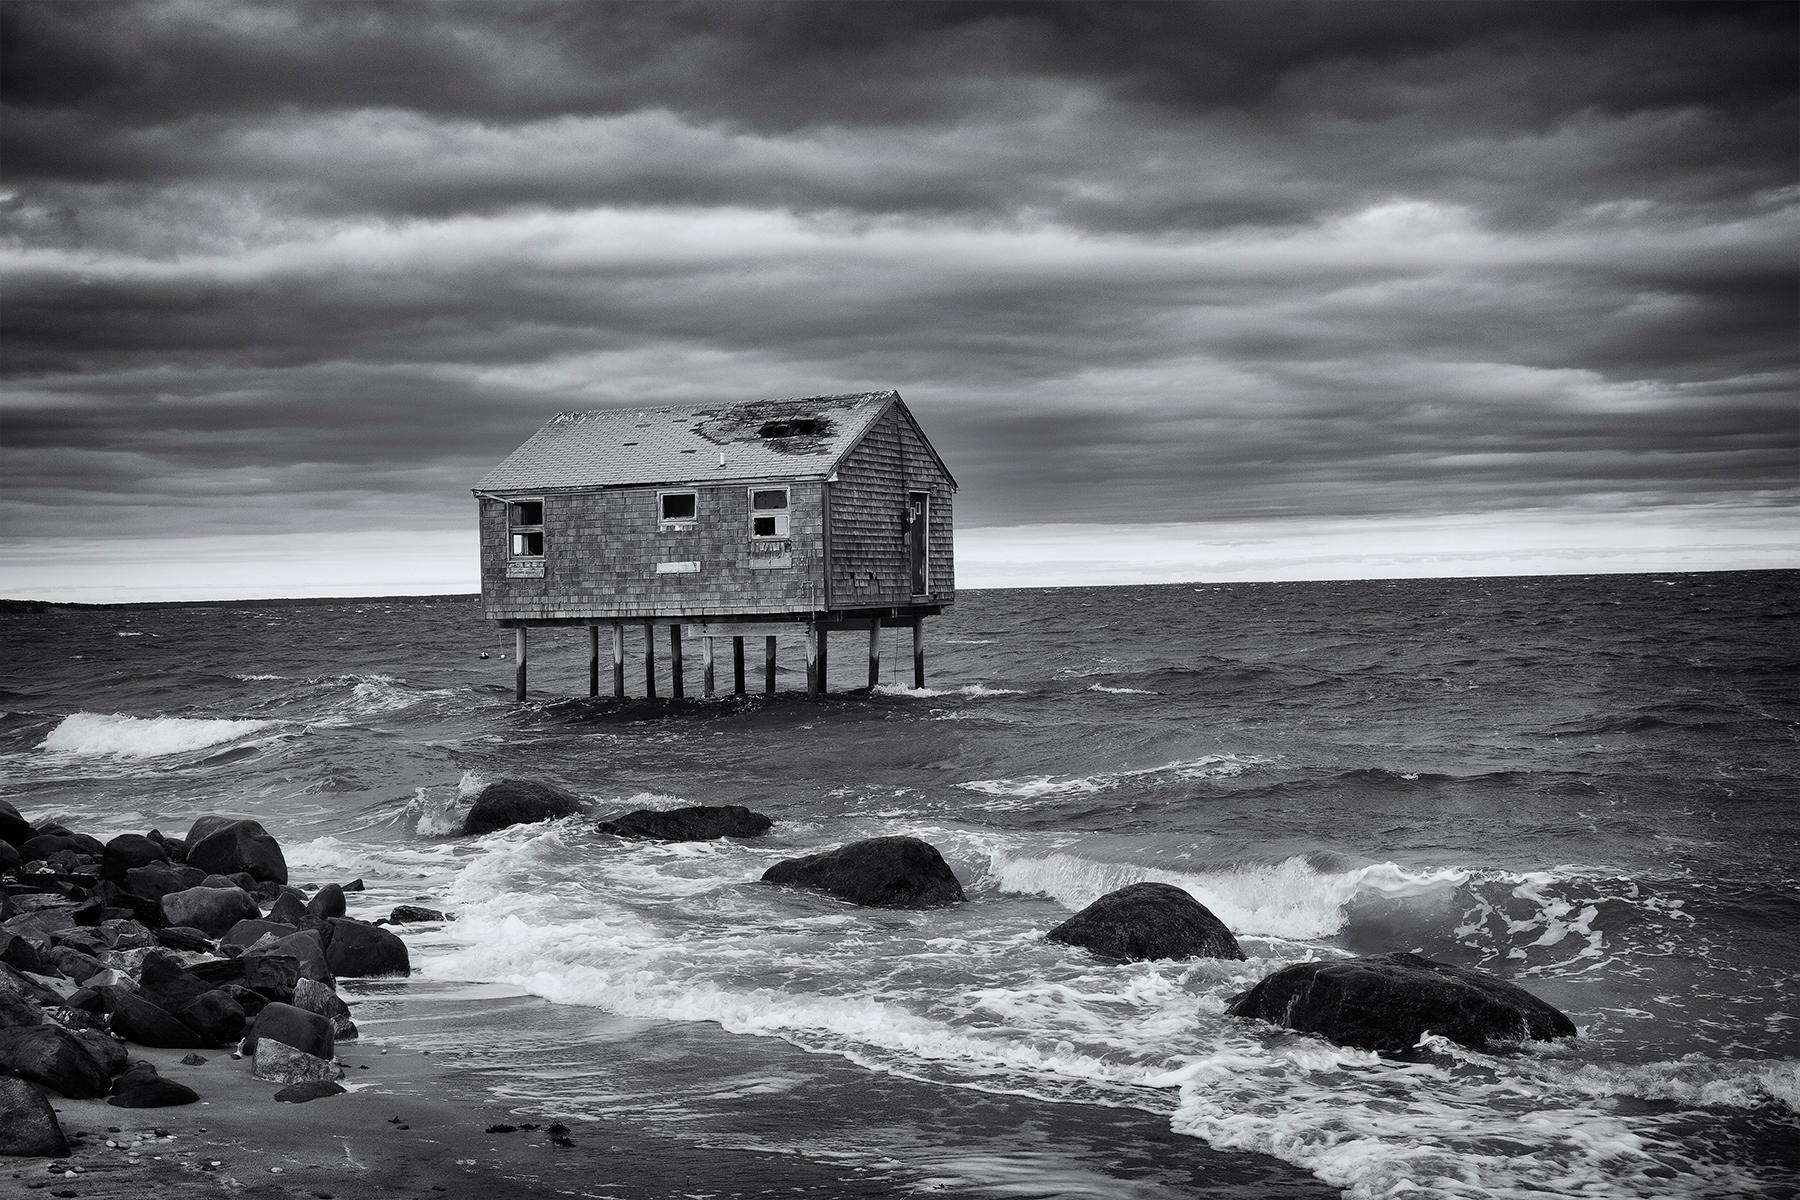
1383	1002
195	943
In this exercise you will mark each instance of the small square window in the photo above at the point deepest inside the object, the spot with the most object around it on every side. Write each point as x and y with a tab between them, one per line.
528	544
677	508
526	512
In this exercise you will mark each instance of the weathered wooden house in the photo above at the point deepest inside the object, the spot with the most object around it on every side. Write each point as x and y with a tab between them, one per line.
730	520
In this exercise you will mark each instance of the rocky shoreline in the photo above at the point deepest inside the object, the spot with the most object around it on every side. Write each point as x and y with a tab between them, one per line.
194	943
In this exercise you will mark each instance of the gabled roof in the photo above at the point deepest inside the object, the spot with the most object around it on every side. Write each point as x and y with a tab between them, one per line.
796	438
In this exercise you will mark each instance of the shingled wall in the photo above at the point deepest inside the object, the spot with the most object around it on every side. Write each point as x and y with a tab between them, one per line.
869	554
601	549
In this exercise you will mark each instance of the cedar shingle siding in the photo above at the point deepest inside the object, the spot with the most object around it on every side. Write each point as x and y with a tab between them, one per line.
599	475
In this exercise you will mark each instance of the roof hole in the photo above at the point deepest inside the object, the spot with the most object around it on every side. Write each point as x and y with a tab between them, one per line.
793	427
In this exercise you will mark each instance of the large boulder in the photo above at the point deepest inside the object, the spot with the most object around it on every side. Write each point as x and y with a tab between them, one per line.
214	1017
14	829
212	910
696	823
327	902
1387	1002
54	1057
359	948
28	1126
308	948
1147	921
141	1087
226	845
888	872
138	1020
130	850
321	998
278	1062
156	880
309	1032
518	802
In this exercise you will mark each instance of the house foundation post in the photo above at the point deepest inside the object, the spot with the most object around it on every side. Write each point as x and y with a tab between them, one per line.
874	654
650	659
593	661
918	652
824	661
737	666
618	660
519	663
769	664
706	671
812	658
675	687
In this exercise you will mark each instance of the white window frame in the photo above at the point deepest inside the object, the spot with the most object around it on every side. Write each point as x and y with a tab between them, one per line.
667	523
515	529
783	523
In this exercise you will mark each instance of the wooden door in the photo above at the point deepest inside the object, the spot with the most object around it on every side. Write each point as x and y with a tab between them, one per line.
918	526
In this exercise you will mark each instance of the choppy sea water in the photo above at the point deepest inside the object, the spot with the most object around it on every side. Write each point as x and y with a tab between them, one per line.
1584	784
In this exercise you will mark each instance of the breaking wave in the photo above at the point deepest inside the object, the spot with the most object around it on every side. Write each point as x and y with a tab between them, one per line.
144	737
1211	766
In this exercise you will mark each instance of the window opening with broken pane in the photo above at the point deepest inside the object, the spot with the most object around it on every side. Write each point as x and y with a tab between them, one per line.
677	509
768	512
525	527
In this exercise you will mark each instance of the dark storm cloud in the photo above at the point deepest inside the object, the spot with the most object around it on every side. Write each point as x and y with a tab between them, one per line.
1130	261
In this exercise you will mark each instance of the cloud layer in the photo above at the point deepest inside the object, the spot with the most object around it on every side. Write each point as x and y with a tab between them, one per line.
286	268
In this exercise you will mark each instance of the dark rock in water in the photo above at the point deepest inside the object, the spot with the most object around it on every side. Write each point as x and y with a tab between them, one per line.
518	802
1148	921
175	846
183	937
138	1020
695	823
360	949
889	872
214	1017
227	845
129	850
1388	1001
327	903
142	1087
14	829
52	1056
305	1031
28	1126
316	1089
355	885
211	910
408	914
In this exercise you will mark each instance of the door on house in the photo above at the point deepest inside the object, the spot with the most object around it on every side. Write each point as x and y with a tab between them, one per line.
918	525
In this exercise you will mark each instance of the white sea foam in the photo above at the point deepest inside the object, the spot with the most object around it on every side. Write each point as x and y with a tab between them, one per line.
969	689
1288	899
143	737
1211	766
1119	691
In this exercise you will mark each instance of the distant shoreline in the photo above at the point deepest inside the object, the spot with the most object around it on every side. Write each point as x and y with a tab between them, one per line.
9	605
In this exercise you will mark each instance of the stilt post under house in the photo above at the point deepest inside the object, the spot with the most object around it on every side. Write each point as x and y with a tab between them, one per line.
519	663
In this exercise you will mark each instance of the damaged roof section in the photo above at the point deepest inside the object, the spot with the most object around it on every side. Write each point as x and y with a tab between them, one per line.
794	438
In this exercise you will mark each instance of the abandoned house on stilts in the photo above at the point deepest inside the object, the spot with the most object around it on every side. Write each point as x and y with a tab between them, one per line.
727	521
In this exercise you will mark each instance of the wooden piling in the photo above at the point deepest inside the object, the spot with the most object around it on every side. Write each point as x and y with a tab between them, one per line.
593	661
519	663
813	638
769	664
706	672
618	640
737	666
874	654
824	661
650	659
675	685
918	626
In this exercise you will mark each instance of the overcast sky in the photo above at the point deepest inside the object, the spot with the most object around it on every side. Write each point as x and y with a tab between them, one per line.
1185	291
